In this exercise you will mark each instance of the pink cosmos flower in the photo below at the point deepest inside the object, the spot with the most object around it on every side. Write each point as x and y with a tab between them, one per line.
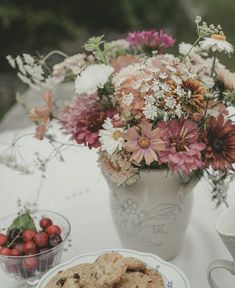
144	144
153	39
183	148
83	120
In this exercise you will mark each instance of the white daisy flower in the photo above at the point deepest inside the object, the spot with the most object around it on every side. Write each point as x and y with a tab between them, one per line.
92	78
217	42
111	137
127	99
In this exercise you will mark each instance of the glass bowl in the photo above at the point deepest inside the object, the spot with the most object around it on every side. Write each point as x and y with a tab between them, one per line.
25	271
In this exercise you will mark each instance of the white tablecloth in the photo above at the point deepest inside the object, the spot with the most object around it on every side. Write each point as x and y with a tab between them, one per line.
77	189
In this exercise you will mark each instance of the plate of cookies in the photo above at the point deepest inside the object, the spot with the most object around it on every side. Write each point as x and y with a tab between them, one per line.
116	268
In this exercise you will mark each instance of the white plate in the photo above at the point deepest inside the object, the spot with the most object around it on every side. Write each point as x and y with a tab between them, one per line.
173	277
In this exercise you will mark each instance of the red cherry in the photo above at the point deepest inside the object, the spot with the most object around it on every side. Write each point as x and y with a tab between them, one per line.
3	239
28	235
6	251
53	229
20	248
30	263
41	239
15	252
45	223
30	248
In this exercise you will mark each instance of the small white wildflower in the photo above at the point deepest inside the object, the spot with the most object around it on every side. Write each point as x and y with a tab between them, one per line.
150	111
165	117
170	102
11	61
163	76
179	91
159	94
145	88
28	59
111	137
156	85
176	79
92	78
153	69
171	69
127	99
165	87
149	99
178	110
20	64
137	84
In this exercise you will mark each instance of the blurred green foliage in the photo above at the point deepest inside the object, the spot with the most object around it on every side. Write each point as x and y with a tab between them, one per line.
32	25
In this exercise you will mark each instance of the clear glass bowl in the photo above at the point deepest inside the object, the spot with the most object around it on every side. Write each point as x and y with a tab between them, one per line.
25	271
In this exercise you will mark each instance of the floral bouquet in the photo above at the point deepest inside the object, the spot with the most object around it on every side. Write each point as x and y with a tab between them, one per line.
143	108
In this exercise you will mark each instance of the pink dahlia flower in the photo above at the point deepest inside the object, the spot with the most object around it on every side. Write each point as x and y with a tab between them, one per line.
183	149
144	143
83	120
153	39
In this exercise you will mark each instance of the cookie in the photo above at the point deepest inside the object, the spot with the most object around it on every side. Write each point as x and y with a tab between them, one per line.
108	270
72	277
134	264
137	279
156	277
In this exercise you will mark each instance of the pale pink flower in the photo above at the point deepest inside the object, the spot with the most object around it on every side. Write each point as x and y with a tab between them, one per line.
42	116
227	77
154	39
183	147
144	143
123	61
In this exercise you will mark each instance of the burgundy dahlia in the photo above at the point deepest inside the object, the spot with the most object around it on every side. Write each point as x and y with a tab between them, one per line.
220	151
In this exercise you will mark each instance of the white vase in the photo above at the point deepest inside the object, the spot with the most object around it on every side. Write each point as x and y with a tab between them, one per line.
152	215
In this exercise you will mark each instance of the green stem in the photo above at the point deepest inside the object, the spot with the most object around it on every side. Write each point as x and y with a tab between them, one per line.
53	53
213	66
194	44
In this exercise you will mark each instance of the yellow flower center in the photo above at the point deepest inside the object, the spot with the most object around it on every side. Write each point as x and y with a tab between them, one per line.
143	142
117	134
218	37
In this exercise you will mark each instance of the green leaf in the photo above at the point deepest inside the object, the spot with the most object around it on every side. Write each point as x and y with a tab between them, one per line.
23	222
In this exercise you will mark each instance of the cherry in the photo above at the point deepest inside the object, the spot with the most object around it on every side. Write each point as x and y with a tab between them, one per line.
28	235
30	248
15	252
20	248
53	229
15	234
45	223
6	251
54	240
30	263
41	239
3	239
